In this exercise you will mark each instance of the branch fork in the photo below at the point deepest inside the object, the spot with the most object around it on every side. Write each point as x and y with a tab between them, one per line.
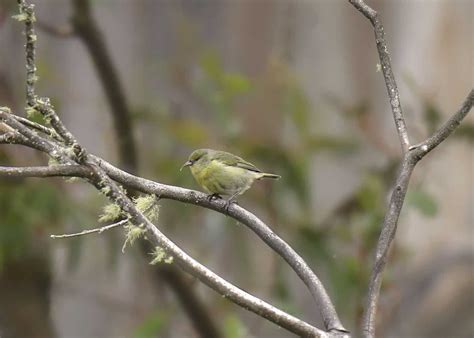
411	156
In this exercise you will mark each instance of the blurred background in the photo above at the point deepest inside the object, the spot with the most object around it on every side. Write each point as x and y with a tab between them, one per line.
292	86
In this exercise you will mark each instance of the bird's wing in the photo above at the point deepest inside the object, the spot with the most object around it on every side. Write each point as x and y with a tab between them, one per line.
235	161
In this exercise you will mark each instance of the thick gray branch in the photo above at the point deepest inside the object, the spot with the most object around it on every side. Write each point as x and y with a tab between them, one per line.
328	312
245	217
71	152
249	302
197	198
186	262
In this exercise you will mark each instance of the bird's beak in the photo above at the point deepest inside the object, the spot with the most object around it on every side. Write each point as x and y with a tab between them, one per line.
187	164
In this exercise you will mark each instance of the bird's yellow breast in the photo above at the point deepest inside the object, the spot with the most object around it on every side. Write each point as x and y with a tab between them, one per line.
218	178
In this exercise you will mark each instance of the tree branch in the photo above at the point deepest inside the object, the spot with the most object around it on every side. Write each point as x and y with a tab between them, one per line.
412	155
209	278
245	217
63	170
384	56
65	31
389	227
39	127
447	128
92	231
104	183
29	18
200	199
74	157
88	31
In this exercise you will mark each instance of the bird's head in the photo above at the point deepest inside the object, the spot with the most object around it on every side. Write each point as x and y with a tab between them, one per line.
196	156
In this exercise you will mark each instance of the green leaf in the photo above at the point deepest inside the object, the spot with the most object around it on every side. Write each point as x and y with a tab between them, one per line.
235	84
432	117
331	143
152	326
297	105
211	65
27	209
371	194
233	328
422	201
188	132
466	131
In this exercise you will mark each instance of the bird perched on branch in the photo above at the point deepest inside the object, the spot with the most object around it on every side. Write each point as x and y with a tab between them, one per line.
222	173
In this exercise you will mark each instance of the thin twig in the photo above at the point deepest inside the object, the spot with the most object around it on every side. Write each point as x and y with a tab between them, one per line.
92	231
384	56
101	229
30	48
34	140
447	128
39	127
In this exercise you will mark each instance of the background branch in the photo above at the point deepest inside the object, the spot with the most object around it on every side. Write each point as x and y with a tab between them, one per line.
389	227
411	157
384	56
65	31
87	29
447	128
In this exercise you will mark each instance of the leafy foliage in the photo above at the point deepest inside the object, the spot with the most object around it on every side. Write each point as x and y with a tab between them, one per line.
152	326
26	211
422	201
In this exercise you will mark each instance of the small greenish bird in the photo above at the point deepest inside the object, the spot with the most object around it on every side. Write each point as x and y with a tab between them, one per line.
222	173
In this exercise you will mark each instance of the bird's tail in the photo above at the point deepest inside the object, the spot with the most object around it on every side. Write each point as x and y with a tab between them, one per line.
266	175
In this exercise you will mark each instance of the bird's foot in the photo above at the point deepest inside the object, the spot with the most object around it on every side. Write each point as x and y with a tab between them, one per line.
213	197
228	204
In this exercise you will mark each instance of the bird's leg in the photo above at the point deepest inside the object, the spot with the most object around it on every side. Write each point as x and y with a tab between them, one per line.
213	196
231	201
